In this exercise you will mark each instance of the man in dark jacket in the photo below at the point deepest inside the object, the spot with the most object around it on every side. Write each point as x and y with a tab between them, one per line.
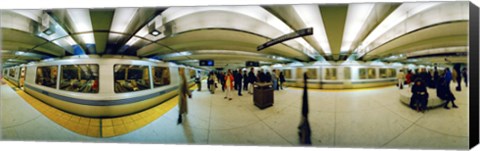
245	80
251	80
238	81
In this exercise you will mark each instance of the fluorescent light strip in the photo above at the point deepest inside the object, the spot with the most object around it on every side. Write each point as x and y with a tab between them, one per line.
311	17
356	18
256	12
403	12
80	19
122	18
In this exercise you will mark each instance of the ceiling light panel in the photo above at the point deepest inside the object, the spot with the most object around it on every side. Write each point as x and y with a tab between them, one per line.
255	12
357	15
396	17
311	17
122	18
80	21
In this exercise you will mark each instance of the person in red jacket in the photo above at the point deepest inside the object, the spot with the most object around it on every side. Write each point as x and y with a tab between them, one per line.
408	77
228	84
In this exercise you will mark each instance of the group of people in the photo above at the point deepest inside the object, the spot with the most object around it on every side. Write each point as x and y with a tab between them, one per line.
422	80
241	80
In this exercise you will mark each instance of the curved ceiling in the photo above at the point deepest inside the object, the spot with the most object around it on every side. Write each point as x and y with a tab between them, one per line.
232	33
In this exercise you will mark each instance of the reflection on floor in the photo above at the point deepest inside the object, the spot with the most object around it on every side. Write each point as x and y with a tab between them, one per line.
360	118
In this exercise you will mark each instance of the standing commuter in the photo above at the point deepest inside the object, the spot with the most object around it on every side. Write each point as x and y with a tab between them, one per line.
245	80
198	81
221	79
251	79
436	77
408	77
183	92
211	82
274	80
229	84
465	76
400	77
238	81
268	77
282	80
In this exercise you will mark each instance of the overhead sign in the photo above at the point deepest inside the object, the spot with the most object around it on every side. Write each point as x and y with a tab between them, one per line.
252	64
296	34
206	63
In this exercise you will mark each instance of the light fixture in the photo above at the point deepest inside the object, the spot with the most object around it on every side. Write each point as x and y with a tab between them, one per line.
155	32
152	27
46	25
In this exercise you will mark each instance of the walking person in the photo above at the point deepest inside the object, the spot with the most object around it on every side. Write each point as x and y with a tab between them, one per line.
444	92
400	77
212	82
228	84
183	92
238	81
221	79
282	80
198	81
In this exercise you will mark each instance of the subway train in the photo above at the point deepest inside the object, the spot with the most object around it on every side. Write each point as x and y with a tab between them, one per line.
95	86
344	75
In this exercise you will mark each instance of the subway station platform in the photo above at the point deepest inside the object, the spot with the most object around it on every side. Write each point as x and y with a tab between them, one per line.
371	118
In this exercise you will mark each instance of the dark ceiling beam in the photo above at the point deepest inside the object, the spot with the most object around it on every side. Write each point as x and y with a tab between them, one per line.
101	21
334	18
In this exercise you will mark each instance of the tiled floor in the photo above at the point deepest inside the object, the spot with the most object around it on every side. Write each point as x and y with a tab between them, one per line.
372	118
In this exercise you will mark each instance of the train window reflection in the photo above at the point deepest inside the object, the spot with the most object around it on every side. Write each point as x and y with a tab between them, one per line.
47	76
161	76
12	72
312	73
330	74
130	78
387	73
371	73
287	73
362	73
79	78
346	73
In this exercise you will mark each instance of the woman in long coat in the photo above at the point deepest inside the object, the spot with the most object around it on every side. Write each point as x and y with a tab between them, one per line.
183	92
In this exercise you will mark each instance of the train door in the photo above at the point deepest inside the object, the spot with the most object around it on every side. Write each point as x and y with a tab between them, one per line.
21	80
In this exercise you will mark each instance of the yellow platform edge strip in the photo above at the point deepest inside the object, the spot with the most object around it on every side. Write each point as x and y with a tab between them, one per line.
100	127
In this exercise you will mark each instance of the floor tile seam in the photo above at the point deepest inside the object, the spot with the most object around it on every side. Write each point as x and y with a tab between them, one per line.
399	134
23	123
439	132
415	122
264	123
335	119
209	120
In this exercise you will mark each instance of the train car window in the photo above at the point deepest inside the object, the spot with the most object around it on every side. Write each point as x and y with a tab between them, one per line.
79	78
371	73
192	73
387	73
347	73
130	78
12	72
312	73
330	74
161	76
47	76
287	73
362	73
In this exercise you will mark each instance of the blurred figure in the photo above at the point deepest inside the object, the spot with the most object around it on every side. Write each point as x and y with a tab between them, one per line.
282	80
183	92
238	81
251	79
245	80
228	84
444	92
408	77
198	81
212	82
436	77
268	77
274	80
400	77
465	76
419	98
221	79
